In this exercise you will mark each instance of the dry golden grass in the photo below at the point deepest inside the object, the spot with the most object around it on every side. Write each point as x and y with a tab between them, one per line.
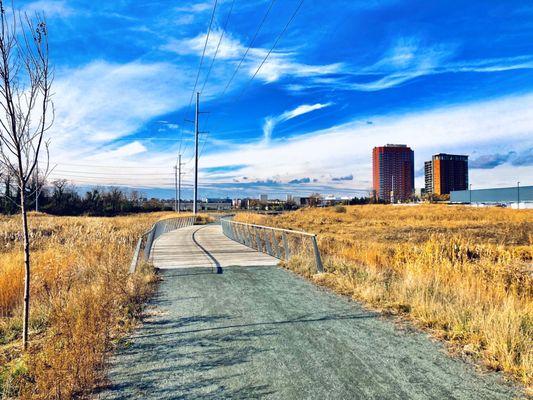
83	299
465	274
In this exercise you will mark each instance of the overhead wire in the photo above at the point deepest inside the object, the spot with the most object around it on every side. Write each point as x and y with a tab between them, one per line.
265	16
274	45
256	33
280	35
200	65
218	46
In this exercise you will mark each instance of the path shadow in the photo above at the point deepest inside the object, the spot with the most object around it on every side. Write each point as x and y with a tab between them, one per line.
165	361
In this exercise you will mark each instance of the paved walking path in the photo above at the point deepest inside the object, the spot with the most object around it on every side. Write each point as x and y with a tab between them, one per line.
204	246
263	332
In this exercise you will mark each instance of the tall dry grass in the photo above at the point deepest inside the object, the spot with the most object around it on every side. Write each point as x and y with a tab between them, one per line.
83	299
465	274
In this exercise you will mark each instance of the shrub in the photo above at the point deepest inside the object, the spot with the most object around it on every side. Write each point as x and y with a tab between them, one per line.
340	209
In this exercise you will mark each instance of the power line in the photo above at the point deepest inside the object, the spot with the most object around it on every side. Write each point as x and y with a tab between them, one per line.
200	66
111	166
62	171
249	46
203	53
274	45
218	46
265	16
266	56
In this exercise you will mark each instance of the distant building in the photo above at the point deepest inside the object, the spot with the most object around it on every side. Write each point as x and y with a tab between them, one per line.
301	201
515	197
446	173
393	170
215	204
263	198
331	200
428	176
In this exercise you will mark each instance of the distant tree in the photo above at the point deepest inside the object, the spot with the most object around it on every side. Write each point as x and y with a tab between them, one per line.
92	202
59	188
9	201
290	205
25	97
314	199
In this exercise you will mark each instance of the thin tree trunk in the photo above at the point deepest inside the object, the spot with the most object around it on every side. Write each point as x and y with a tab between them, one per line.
26	315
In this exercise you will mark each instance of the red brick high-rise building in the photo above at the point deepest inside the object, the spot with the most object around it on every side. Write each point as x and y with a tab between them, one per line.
393	168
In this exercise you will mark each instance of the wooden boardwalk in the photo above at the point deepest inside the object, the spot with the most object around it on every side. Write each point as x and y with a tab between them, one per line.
204	246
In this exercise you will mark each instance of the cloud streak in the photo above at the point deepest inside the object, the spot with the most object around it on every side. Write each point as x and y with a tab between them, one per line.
280	64
50	8
271	122
407	60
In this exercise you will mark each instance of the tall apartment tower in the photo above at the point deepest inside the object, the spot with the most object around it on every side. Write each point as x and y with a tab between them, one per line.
393	168
446	172
428	175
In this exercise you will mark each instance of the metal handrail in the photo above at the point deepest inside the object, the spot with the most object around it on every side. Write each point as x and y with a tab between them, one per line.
274	229
273	241
147	239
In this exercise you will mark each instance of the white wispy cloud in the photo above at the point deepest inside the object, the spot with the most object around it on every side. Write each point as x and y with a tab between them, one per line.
128	150
196	8
279	64
101	102
271	122
406	60
50	8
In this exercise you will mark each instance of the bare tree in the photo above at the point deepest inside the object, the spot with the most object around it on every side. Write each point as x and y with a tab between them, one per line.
26	112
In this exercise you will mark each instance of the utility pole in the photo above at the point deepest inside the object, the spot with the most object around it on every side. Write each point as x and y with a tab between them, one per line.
470	193
176	188
179	183
196	134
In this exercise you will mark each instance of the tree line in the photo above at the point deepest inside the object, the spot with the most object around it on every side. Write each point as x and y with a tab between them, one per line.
61	197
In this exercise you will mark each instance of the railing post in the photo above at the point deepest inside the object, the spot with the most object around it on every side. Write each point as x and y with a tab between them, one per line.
319	266
232	231
148	245
135	259
237	233
223	225
286	246
268	243
250	237
258	240
275	243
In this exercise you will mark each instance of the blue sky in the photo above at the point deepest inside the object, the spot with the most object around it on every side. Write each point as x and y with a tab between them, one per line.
347	75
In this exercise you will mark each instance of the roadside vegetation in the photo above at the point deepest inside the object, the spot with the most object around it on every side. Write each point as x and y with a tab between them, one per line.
83	300
464	274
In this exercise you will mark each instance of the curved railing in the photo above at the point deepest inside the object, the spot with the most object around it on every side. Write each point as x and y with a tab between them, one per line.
145	242
279	243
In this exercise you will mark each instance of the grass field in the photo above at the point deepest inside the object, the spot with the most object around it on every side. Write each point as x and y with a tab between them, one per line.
464	274
82	300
